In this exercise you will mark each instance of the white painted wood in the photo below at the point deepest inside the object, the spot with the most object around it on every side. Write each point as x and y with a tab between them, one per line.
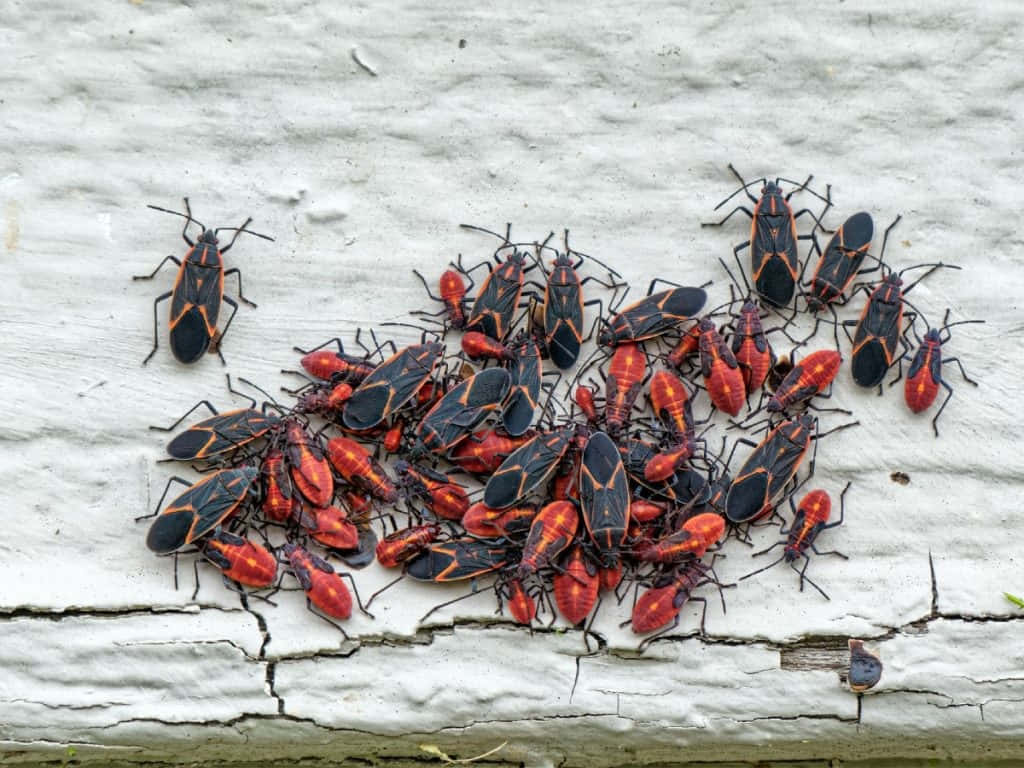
616	121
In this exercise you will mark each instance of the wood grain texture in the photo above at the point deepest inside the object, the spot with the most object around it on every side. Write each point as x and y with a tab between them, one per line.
617	121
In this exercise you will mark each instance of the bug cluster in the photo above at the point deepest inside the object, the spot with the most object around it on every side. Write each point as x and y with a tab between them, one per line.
471	462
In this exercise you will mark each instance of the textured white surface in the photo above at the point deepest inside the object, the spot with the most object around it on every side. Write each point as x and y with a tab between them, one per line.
617	122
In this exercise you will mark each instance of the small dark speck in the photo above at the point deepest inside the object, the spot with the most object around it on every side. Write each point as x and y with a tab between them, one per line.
462	43
131	31
230	40
57	532
900	477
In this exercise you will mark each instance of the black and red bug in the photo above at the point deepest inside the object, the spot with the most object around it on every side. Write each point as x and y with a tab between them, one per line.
627	372
392	384
604	496
198	291
460	411
484	451
563	305
661	604
775	264
445	498
879	331
809	520
762	479
324	587
214	436
458	560
806	378
722	375
526	468
404	544
552	530
452	289
329	365
280	501
498	298
654	315
240	560
205	505
693	539
841	260
523	398
924	377
576	585
510	522
355	464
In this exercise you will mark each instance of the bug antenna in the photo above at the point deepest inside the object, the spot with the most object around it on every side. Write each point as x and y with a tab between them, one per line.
178	213
761	570
259	389
242	229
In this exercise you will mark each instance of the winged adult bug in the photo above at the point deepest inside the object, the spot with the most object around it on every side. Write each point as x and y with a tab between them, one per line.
357	466
604	496
654	315
576	585
459	412
392	384
809	520
445	498
760	482
240	560
806	379
498	298
522	401
880	327
458	560
483	452
526	468
692	539
775	264
198	291
453	296
200	509
627	372
563	305
841	260
552	530
925	374
721	371
395	549
218	434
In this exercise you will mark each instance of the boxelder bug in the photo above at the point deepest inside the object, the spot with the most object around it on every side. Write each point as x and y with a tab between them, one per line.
219	433
480	346
563	306
806	379
722	374
444	498
576	585
775	265
841	260
334	366
499	294
480	520
324	587
522	401
483	452
808	521
626	374
552	531
280	502
461	409
925	375
654	315
662	603
604	496
526	468
402	545
458	560
392	384
240	560
692	540
761	480
330	526
880	326
453	296
199	510
198	291
357	466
